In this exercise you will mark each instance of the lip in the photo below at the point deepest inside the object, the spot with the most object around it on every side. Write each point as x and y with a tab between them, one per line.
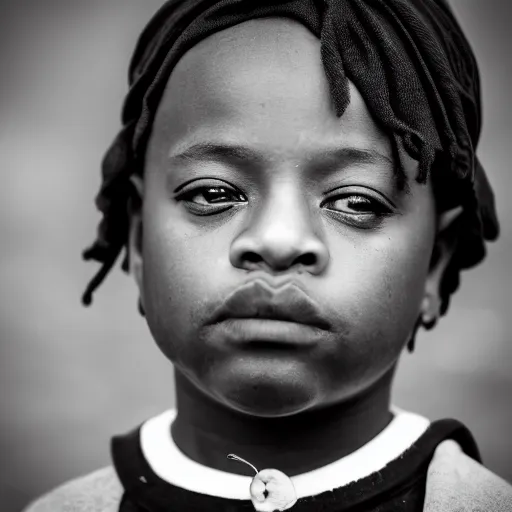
286	305
264	332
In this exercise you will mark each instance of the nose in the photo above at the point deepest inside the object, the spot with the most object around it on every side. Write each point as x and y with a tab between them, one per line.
280	235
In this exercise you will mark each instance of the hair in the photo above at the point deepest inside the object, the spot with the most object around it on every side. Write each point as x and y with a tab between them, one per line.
411	63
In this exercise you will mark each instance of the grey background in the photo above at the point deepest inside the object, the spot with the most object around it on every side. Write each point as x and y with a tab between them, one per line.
71	377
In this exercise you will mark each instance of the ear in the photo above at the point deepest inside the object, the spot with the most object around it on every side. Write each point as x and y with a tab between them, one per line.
135	236
444	248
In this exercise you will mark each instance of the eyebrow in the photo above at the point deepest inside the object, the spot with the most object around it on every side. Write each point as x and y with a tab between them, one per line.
210	152
324	159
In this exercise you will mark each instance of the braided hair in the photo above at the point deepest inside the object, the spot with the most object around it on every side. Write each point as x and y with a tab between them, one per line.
408	58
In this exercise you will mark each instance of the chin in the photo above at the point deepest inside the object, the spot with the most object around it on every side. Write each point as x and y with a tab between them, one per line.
269	389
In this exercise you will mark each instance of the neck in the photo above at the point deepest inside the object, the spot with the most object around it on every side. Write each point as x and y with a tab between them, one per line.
207	431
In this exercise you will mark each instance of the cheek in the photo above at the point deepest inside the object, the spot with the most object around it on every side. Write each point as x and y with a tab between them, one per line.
394	263
181	270
396	271
377	283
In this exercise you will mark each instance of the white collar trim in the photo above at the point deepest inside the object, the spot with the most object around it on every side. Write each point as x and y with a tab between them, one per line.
174	467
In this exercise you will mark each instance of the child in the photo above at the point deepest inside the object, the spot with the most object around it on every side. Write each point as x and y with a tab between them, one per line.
297	190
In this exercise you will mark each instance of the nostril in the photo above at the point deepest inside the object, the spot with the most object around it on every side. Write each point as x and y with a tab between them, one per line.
252	257
309	259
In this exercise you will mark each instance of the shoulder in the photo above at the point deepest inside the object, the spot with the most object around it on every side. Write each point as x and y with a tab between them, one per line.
99	491
456	482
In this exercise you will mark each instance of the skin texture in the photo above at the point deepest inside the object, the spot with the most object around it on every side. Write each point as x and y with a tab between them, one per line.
297	204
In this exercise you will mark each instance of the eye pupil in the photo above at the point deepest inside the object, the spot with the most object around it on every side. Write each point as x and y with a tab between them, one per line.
214	194
359	203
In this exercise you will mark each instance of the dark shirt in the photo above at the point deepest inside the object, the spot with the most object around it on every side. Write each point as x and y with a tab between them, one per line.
398	487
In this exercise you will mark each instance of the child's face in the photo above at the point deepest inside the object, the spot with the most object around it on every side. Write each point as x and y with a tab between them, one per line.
314	200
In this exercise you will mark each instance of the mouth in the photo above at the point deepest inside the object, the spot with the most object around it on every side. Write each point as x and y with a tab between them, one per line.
259	300
260	313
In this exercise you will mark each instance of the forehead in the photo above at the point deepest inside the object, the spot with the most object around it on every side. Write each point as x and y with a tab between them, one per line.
261	81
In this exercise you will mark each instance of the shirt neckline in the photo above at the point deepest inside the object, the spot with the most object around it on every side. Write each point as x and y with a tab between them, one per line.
174	467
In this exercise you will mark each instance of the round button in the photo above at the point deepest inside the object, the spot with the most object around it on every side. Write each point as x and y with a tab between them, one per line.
271	490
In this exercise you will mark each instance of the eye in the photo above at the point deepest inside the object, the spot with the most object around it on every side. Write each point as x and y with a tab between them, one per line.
355	203
210	199
210	195
357	209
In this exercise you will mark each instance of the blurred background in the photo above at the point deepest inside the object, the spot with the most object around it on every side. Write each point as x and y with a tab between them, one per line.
71	377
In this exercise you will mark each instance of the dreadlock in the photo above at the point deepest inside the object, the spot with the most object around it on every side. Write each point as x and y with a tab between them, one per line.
408	58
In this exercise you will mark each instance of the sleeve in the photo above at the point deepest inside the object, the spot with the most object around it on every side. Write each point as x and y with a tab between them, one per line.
456	482
100	491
